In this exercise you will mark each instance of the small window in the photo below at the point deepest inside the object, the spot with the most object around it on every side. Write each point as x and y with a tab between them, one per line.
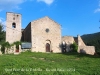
13	25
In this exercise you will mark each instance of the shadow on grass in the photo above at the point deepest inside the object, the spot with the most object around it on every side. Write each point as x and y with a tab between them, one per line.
80	55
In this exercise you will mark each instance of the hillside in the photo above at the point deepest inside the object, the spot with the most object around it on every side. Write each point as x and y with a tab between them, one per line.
92	40
29	63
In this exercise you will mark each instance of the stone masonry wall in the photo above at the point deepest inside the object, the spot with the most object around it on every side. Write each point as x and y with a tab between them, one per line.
40	36
12	50
13	34
80	41
86	49
68	40
82	48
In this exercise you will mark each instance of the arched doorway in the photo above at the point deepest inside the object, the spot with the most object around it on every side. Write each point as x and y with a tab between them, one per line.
47	47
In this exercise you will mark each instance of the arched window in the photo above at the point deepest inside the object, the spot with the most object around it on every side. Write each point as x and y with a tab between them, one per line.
13	25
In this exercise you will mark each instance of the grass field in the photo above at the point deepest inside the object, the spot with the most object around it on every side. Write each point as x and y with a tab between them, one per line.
29	63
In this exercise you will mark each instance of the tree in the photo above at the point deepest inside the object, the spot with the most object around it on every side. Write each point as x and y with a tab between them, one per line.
2	33
74	47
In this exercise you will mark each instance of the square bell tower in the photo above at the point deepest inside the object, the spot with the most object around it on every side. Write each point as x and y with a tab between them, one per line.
13	27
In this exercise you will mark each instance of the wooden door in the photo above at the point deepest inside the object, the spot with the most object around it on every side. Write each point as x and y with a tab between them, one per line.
47	47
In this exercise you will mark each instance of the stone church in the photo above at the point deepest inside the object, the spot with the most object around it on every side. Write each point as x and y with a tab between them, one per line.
44	35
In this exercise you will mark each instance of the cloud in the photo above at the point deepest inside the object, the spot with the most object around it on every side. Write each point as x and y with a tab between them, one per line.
97	10
48	2
2	21
10	4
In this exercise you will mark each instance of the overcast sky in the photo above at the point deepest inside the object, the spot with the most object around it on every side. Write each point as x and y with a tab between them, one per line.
74	16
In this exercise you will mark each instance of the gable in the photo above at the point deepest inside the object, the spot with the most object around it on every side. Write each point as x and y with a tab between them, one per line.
45	20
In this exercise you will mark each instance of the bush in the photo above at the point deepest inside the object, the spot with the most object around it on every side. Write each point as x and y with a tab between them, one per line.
17	43
74	47
5	45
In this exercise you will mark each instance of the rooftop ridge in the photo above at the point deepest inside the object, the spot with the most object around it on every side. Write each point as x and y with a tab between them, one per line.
46	17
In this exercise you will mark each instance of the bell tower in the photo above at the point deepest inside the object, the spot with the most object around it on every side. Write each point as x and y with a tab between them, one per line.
13	27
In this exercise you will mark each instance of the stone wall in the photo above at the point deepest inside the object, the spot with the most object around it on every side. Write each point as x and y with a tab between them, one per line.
45	31
13	27
86	49
68	41
80	41
12	50
82	48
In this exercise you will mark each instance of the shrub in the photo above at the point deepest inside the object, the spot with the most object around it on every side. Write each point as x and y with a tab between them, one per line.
74	47
5	45
17	43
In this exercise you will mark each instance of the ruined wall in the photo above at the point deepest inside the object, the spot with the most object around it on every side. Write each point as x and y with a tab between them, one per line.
82	48
12	50
13	27
86	49
45	31
68	39
80	41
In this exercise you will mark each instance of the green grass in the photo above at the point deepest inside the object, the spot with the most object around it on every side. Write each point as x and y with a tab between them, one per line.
29	63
